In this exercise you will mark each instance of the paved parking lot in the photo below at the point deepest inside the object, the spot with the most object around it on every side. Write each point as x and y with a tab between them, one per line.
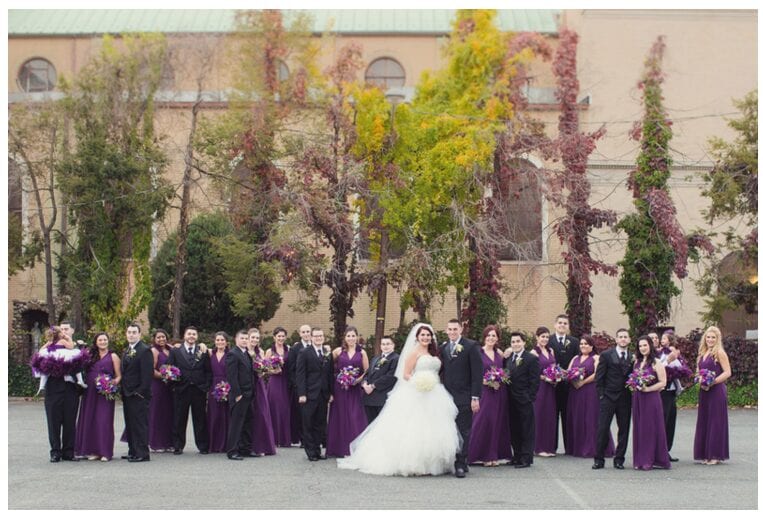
288	481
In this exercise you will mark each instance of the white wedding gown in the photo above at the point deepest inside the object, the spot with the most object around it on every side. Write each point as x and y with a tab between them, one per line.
415	434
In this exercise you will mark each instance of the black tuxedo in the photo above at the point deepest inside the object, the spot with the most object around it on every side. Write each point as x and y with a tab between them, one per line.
190	392
291	377
137	374
564	352
614	400
314	380
525	381
61	404
462	377
382	376
239	371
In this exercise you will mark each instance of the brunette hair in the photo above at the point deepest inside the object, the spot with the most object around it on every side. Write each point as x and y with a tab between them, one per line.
487	331
652	350
589	340
94	355
350	328
432	348
159	331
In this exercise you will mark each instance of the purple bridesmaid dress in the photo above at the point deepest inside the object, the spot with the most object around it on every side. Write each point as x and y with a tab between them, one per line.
490	439
650	443
711	437
160	410
347	419
95	426
217	412
583	416
545	408
263	441
280	405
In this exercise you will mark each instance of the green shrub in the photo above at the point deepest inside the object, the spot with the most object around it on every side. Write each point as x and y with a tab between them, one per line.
21	383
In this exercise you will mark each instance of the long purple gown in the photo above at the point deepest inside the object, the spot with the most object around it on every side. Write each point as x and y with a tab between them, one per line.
217	412
711	436
545	408
347	419
263	441
95	426
490	439
583	416
280	405
650	443
160	410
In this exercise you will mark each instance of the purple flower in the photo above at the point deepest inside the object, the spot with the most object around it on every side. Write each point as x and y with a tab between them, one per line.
494	377
576	373
553	372
348	376
705	378
639	379
220	391
105	385
169	373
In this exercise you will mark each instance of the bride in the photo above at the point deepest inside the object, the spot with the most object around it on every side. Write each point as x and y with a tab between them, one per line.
415	434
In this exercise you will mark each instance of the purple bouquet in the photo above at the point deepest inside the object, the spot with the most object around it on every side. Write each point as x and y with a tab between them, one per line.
576	373
169	373
638	379
348	376
494	377
105	385
220	391
705	378
554	373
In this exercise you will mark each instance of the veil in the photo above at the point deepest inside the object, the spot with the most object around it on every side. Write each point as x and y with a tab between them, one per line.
408	349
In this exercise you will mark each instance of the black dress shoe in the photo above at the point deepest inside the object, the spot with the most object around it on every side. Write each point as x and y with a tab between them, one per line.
203	452
55	459
177	452
127	457
521	465
70	458
236	457
512	461
248	454
312	458
460	472
466	468
673	459
139	460
597	465
619	466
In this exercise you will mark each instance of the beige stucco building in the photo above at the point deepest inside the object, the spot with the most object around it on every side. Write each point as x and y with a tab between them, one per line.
711	59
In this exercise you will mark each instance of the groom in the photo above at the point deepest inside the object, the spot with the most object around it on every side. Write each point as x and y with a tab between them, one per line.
462	377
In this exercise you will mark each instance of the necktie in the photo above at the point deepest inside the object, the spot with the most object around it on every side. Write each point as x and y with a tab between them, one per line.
514	358
452	346
320	352
622	356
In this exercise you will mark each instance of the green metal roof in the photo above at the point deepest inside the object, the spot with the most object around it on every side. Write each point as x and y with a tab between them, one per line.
50	22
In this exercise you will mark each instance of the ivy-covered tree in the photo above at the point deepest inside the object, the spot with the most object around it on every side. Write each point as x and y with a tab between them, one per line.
113	179
732	188
656	246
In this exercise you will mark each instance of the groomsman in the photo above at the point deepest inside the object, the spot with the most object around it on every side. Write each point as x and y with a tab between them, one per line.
291	376
239	370
137	373
314	384
190	391
462	377
524	372
565	348
380	379
614	398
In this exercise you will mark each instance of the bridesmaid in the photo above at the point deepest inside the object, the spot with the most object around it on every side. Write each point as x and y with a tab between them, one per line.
490	439
278	392
263	441
545	400
160	410
347	419
218	411
650	444
711	437
583	406
95	426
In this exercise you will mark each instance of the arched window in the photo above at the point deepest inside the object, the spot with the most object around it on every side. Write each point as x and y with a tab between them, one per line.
385	72
520	209
37	75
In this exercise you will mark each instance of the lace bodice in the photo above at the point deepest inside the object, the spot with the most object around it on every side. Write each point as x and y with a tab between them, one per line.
427	363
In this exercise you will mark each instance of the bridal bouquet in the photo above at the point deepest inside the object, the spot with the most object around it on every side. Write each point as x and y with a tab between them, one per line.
169	373
705	378
220	391
494	377
425	380
576	373
638	379
348	376
105	385
554	373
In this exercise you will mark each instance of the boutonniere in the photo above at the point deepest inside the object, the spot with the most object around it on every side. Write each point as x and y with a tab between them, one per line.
458	349
382	361
566	342
131	353
633	358
519	361
198	355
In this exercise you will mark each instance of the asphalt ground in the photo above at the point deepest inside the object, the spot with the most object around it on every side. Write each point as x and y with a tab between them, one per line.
288	481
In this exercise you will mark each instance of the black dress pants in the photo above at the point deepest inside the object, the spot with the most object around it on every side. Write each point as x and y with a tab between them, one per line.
136	422
314	415
193	398
621	410
240	426
669	411
522	425
61	404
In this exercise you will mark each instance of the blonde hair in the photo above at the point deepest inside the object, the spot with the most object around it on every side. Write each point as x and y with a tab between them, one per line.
703	343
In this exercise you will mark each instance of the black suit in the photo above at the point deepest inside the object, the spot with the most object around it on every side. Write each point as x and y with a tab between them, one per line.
462	377
239	371
382	376
564	352
190	392
61	403
314	380
291	377
137	374
614	400
525	380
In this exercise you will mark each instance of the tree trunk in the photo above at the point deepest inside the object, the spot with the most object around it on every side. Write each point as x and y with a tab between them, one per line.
381	295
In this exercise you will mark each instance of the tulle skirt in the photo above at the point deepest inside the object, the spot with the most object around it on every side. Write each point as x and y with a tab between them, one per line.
414	435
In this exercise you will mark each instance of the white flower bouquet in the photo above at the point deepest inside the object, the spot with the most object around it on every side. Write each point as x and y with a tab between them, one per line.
424	380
